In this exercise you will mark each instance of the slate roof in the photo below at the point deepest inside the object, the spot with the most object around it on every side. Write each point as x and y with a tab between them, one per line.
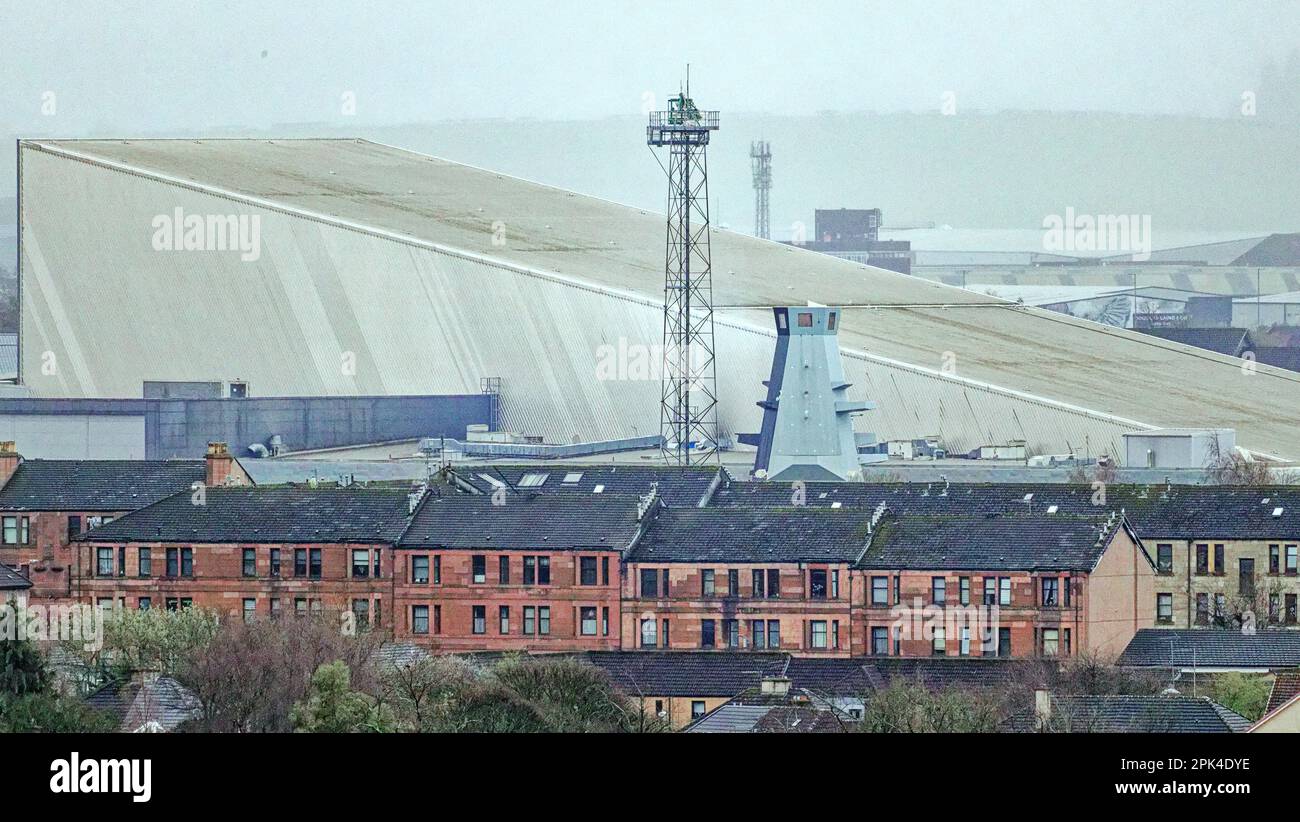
802	719
11	580
1210	648
252	514
161	704
728	673
962	673
452	520
860	676
96	485
1286	685
1144	714
1230	341
731	718
400	655
687	673
757	712
753	535
989	543
1209	512
1173	511
834	676
677	487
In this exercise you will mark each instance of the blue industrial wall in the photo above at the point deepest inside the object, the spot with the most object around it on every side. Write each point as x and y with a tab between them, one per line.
184	427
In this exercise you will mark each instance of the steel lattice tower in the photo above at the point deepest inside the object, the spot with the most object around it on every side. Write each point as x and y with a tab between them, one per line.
760	153
688	410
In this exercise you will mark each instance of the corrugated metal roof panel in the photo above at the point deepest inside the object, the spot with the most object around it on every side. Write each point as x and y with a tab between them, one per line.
398	269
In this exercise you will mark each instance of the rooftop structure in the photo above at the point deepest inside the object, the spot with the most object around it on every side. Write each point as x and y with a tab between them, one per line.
807	415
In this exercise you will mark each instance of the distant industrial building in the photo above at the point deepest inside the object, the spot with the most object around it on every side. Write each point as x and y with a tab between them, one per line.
178	421
379	272
854	234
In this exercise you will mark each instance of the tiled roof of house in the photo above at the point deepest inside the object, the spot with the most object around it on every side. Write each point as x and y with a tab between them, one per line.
603	521
757	712
1010	542
1144	714
1286	684
687	673
834	676
731	718
252	514
1177	511
1213	512
96	485
160	704
11	580
938	673
677	487
802	719
728	673
860	676
753	535
1210	648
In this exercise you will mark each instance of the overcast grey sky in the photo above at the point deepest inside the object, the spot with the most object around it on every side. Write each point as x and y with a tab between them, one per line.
134	67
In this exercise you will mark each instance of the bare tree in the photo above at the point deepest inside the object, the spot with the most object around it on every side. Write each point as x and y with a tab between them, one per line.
250	675
1234	468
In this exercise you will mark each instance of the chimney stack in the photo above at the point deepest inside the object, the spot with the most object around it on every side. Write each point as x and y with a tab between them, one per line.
1042	709
9	461
218	463
776	685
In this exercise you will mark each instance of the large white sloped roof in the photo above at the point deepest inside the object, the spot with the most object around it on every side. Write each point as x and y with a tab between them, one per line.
912	336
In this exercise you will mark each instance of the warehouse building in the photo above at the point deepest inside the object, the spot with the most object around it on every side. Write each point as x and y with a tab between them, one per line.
348	268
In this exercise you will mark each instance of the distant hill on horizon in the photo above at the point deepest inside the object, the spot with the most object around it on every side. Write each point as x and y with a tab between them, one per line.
1004	170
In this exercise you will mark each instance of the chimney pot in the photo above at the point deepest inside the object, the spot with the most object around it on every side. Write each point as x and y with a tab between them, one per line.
217	465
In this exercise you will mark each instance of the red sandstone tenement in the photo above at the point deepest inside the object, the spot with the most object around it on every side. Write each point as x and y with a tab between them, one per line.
582	568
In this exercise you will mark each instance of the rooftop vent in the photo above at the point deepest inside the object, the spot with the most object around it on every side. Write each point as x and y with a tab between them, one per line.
875	517
647	501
